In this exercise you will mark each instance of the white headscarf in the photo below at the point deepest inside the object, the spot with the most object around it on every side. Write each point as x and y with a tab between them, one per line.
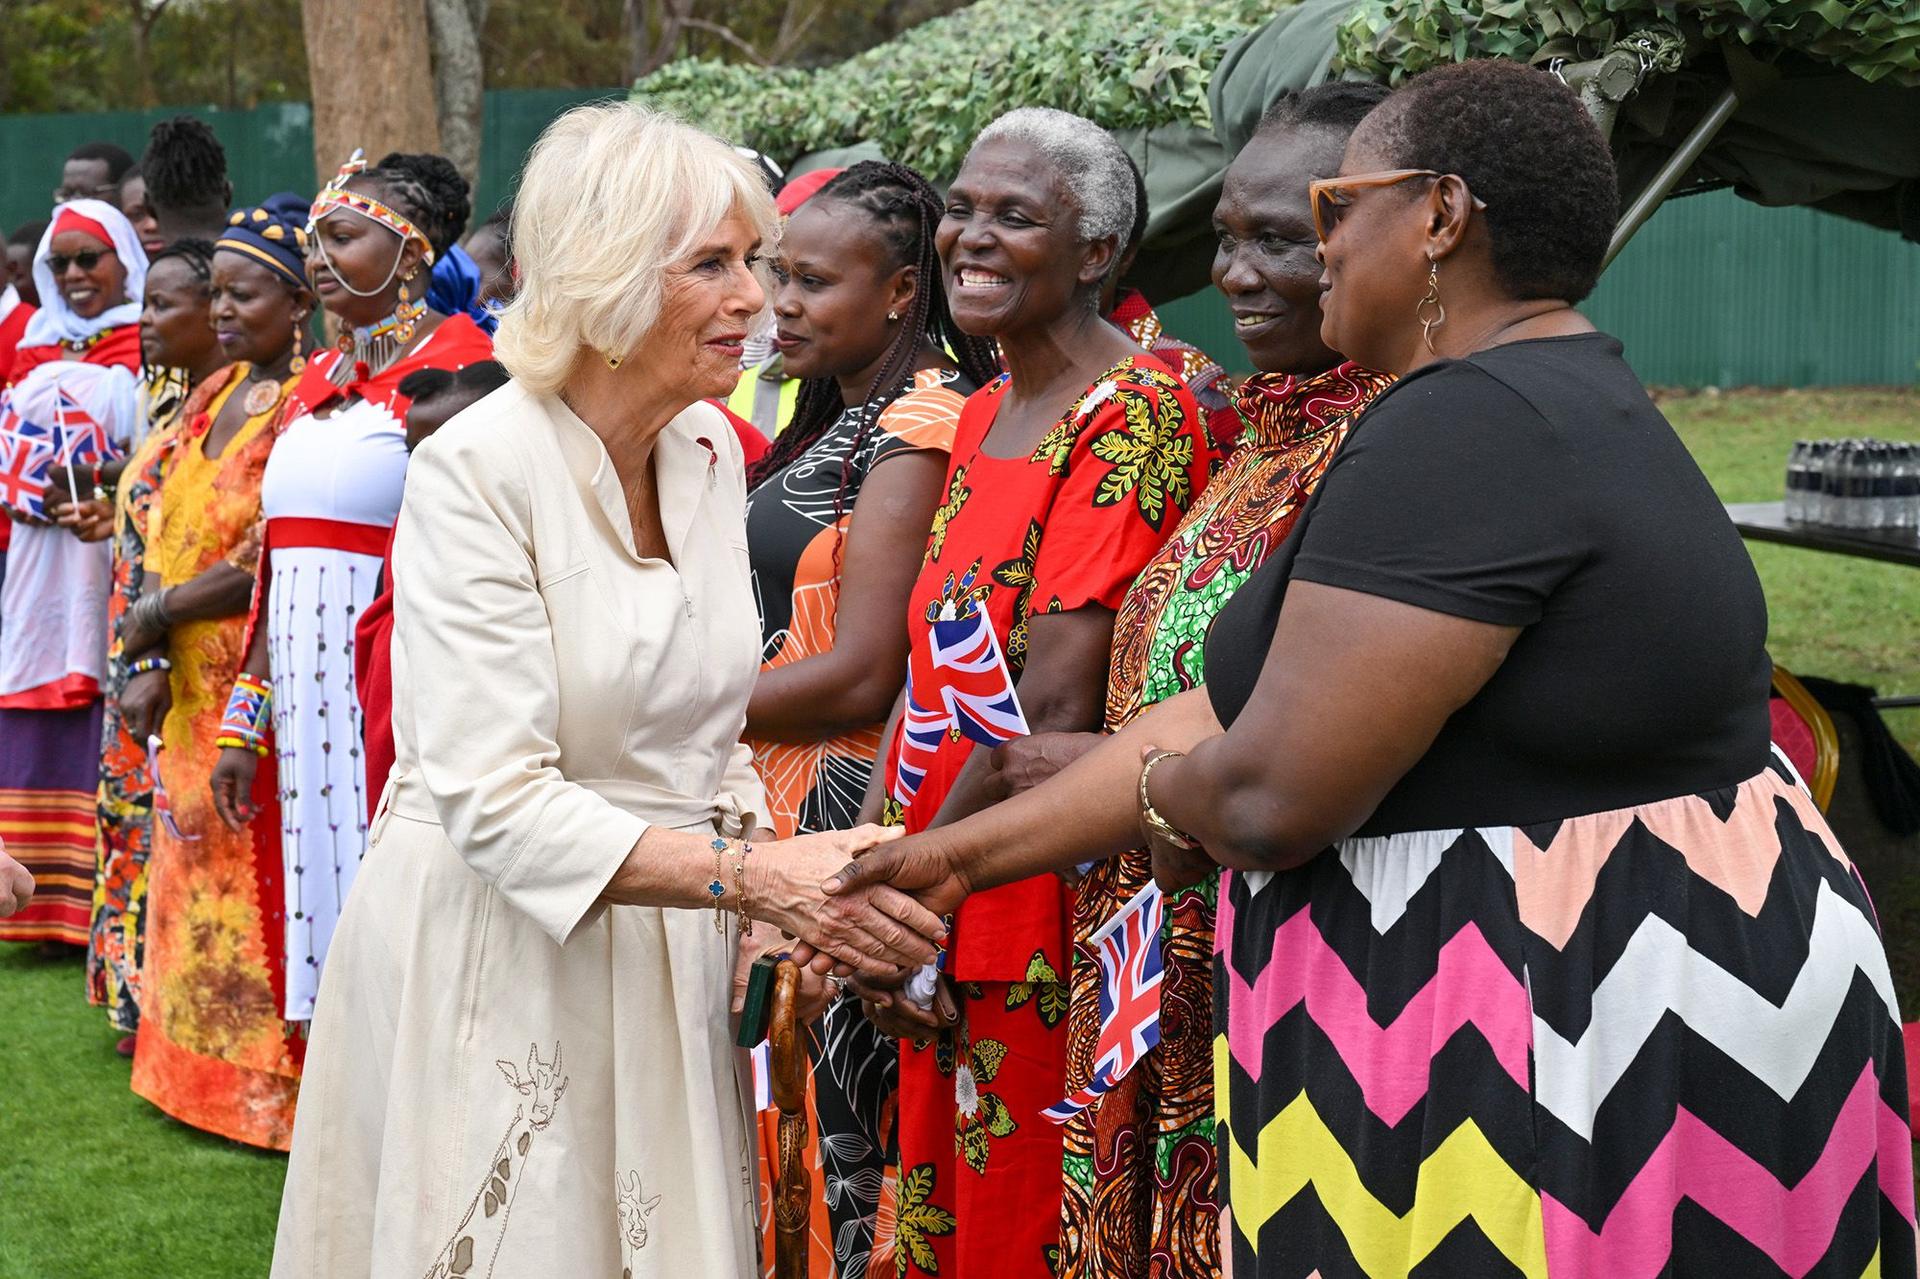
55	320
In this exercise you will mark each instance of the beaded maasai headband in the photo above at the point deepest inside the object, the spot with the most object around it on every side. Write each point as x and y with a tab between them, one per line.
335	196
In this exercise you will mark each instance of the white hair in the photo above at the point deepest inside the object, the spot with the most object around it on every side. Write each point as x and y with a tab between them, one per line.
1091	165
612	194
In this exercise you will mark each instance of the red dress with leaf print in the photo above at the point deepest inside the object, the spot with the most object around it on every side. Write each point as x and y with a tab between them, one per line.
1066	527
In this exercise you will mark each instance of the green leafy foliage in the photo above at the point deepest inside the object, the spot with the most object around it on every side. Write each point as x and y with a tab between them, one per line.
922	97
1393	39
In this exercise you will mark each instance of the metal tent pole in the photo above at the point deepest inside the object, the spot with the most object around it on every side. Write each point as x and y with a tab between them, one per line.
1671	172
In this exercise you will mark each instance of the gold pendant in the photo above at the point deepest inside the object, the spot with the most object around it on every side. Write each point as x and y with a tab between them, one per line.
261	396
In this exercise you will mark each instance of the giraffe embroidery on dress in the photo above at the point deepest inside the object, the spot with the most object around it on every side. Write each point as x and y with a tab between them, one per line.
635	1208
484	1225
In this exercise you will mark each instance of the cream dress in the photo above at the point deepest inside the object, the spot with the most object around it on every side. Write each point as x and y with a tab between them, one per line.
506	1076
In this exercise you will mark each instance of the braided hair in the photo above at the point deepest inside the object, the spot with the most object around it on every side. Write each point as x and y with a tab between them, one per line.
404	190
447	191
197	254
905	210
185	166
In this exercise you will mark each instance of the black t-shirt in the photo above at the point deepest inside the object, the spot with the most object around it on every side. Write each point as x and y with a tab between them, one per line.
1535	485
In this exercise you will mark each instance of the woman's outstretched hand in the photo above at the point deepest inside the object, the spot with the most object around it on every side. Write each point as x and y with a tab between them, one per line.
873	929
914	865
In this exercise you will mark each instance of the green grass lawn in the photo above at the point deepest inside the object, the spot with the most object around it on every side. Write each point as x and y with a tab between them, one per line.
98	1183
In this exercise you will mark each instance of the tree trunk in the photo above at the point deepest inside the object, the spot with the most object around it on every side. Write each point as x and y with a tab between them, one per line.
649	49
145	13
458	79
370	72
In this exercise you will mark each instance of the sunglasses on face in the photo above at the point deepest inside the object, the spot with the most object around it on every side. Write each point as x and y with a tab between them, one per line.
1330	197
85	261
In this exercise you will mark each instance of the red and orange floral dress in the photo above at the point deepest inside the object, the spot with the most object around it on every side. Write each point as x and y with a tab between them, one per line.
1065	527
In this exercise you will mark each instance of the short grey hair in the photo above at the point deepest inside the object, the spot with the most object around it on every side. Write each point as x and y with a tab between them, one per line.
1091	164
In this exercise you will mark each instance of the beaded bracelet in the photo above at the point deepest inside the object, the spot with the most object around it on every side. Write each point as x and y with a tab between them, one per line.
249	714
147	665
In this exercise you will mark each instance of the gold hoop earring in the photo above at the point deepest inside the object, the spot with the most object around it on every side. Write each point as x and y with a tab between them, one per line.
1428	323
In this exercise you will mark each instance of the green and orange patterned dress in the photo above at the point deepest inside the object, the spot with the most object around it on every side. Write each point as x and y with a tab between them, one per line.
1141	1195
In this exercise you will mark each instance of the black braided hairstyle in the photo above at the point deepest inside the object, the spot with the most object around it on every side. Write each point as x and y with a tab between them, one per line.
451	196
185	166
197	254
407	194
905	210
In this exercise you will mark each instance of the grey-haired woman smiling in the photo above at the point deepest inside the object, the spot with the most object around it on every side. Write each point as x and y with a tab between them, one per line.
1065	475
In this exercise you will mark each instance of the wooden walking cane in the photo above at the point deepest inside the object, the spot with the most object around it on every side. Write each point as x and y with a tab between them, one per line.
792	1181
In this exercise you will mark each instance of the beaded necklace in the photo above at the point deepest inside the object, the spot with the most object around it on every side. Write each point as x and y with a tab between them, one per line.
367	351
85	343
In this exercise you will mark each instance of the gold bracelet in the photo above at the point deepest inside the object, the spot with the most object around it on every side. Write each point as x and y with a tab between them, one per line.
1152	823
717	886
740	904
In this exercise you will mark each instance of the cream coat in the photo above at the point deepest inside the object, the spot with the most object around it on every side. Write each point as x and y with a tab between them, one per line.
506	1076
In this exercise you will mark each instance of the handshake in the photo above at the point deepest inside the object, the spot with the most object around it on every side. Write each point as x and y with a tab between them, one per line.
870	905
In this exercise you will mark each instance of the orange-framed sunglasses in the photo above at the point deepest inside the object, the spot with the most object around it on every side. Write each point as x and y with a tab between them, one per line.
1329	196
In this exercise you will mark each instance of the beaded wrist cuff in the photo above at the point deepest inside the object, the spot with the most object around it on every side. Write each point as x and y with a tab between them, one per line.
249	715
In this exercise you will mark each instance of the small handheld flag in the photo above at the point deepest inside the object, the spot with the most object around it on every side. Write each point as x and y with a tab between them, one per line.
1128	947
82	438
958	684
26	453
162	806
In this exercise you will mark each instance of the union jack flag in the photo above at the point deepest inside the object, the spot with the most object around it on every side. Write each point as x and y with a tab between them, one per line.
1128	946
81	438
26	451
958	686
162	805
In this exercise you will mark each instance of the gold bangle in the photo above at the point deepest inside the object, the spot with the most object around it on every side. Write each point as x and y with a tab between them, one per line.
717	886
740	904
1155	826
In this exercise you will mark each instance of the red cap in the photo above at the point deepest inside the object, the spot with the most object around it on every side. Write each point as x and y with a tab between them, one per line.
69	220
802	189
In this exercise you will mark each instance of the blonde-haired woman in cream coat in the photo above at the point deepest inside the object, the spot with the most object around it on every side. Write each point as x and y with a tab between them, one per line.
521	1061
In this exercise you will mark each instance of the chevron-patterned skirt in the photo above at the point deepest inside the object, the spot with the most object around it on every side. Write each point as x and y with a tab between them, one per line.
1656	1041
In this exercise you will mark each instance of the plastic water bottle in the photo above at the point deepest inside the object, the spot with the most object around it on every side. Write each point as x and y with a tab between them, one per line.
1906	486
1880	501
1826	507
1794	501
1833	486
1858	486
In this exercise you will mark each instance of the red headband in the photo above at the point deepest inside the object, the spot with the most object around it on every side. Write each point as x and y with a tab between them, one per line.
802	189
69	220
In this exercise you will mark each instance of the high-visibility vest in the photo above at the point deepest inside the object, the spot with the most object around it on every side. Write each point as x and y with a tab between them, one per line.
765	398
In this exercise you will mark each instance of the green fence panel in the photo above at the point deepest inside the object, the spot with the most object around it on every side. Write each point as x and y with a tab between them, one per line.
1718	291
269	148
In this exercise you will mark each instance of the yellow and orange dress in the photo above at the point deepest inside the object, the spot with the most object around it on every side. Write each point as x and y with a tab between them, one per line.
214	1051
797	519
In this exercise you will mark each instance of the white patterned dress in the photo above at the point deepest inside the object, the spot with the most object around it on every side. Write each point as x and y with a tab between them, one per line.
331	493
